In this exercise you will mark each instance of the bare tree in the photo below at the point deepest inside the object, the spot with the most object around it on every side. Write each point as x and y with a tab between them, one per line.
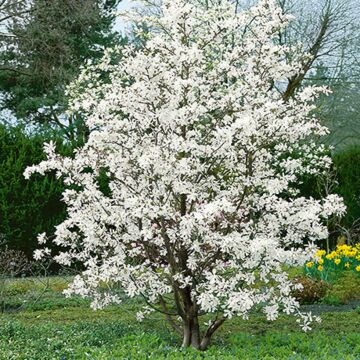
10	10
327	30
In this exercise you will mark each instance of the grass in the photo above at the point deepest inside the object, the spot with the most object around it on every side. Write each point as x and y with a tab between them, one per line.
346	289
58	328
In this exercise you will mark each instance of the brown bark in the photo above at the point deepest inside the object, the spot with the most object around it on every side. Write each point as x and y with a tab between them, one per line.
192	335
296	81
191	329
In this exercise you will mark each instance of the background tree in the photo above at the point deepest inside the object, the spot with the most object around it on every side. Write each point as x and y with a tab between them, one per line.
43	50
331	32
10	9
202	156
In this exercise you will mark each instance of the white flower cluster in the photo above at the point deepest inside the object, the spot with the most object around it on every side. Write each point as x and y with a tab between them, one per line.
202	154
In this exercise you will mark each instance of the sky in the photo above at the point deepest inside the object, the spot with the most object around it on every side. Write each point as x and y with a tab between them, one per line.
124	5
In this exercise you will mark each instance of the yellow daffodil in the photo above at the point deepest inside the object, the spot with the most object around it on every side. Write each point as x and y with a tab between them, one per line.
320	268
331	255
347	265
337	261
309	264
357	268
320	253
321	261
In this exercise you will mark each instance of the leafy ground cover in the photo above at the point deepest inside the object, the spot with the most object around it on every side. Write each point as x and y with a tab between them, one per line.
57	328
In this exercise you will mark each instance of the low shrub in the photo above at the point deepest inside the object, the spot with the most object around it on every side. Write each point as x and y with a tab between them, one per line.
313	290
12	263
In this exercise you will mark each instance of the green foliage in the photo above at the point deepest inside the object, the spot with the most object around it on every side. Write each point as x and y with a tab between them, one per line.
347	166
27	207
331	299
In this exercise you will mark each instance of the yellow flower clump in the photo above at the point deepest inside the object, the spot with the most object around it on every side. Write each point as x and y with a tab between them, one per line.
344	254
347	250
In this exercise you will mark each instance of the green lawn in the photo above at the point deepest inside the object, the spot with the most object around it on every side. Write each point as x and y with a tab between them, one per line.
58	328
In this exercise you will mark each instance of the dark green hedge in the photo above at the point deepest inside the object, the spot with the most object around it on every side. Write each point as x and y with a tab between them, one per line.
347	168
345	181
27	207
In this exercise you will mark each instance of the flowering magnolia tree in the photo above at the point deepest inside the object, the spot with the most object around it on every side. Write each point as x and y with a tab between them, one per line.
202	156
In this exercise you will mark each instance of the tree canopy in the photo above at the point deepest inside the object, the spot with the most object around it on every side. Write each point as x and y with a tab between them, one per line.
203	154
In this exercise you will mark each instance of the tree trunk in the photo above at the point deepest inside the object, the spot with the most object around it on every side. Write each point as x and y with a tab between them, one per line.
191	333
192	336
